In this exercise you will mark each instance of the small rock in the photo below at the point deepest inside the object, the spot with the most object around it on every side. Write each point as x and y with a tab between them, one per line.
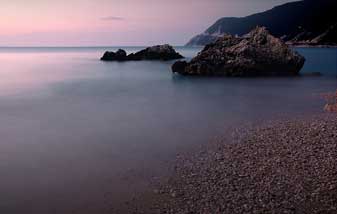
159	52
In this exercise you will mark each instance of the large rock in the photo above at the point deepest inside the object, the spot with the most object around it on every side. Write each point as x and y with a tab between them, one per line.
159	52
257	53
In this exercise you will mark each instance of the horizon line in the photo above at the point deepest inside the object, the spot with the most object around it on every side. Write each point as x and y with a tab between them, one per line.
69	46
84	46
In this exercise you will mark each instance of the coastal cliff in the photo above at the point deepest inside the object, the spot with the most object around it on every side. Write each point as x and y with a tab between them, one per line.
303	23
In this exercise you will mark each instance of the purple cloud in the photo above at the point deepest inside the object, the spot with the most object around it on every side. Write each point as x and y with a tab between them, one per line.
112	18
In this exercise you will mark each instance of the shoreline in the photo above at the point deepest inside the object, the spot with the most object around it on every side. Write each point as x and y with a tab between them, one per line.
284	166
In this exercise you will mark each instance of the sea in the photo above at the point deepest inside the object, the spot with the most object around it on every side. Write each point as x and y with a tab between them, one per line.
78	135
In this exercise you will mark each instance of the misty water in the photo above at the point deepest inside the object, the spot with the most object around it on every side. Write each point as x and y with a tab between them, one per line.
80	135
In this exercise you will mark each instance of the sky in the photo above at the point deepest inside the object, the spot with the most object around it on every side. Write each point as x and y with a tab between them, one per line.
115	22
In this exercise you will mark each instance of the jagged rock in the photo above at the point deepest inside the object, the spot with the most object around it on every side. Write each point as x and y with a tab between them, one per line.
256	53
159	52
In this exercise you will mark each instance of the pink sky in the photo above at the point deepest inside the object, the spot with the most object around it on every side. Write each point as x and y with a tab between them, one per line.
114	22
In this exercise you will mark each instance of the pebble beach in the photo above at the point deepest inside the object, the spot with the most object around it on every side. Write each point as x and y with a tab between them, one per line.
280	167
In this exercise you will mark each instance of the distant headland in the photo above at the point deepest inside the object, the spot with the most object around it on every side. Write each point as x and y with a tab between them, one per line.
302	23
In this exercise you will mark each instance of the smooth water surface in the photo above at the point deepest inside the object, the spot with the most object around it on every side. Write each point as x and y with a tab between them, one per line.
81	136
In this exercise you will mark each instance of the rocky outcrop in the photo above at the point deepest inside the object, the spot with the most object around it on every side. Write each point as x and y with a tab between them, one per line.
256	53
159	52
